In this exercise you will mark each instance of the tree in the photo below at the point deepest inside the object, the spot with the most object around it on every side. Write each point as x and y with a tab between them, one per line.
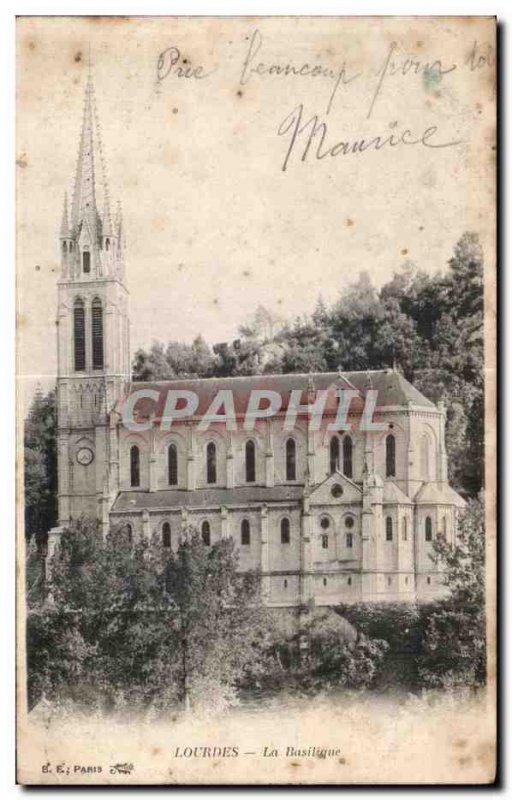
139	624
455	643
40	467
218	614
338	656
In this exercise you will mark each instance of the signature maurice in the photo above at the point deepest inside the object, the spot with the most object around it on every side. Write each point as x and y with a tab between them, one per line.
312	135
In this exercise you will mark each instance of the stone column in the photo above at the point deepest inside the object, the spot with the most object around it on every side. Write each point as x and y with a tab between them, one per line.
191	459
224	522
269	458
311	457
184	525
230	463
442	460
153	463
63	477
146	529
265	554
306	561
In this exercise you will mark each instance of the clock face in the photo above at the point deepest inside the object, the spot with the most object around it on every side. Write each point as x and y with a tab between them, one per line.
84	456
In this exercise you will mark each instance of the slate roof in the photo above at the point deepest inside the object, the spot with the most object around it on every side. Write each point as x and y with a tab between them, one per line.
392	389
393	494
439	492
205	498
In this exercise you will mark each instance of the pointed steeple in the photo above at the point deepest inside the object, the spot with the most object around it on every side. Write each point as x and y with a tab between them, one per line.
84	209
91	187
65	232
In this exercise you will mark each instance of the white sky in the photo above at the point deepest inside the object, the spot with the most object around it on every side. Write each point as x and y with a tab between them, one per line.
214	227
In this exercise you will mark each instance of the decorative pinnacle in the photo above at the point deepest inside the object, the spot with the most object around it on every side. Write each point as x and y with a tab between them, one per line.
64	226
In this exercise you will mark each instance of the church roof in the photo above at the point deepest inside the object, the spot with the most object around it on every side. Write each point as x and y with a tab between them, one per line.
205	498
439	492
393	494
392	389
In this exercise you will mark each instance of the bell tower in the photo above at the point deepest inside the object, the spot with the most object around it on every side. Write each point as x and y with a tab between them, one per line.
93	328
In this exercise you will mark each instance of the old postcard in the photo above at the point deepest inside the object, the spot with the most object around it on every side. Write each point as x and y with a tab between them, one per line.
256	400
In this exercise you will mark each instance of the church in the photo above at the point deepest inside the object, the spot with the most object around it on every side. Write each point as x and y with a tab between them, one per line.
327	515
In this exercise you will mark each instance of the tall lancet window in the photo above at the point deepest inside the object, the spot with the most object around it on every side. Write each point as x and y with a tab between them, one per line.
86	262
390	456
172	465
79	334
134	466
347	456
97	334
334	455
291	470
211	463
250	462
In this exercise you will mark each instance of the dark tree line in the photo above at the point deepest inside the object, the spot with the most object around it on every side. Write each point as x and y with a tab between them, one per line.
40	467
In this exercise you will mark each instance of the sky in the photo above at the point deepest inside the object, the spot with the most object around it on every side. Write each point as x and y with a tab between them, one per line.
214	225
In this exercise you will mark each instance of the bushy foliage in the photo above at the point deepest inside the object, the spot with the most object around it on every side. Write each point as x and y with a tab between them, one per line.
441	644
454	643
139	625
327	654
40	467
336	660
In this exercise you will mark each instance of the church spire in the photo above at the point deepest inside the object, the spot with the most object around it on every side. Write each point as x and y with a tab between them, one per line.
84	210
90	179
64	225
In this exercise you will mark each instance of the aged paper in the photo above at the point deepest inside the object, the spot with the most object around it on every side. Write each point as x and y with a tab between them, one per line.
256	265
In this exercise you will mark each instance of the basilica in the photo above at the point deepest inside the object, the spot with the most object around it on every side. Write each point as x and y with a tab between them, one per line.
327	514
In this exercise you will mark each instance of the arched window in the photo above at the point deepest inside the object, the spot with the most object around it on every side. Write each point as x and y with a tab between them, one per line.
86	261
79	334
107	244
172	465
211	463
334	455
290	460
389	529
349	539
245	532
325	541
390	456
64	248
404	529
250	462
285	531
347	456
166	534
97	334
134	466
205	532
428	529
129	533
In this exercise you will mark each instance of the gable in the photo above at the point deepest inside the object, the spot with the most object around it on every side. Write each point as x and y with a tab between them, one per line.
324	494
